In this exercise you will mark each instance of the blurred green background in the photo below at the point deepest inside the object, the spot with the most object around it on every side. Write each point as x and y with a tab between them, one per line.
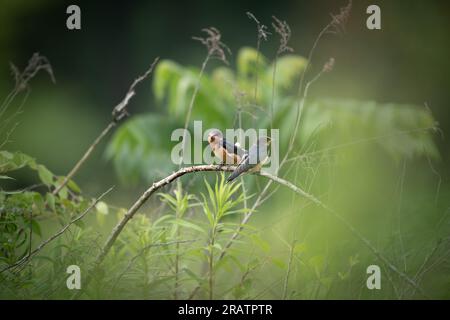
407	62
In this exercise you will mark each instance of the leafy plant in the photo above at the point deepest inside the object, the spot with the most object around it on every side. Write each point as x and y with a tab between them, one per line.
217	205
20	210
400	130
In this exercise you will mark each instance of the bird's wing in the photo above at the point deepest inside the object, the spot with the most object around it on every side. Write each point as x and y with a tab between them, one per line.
244	157
240	151
241	168
233	148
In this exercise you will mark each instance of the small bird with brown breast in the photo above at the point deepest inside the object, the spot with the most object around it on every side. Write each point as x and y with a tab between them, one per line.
227	152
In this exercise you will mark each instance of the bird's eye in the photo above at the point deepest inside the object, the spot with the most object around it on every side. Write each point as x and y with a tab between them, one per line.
213	138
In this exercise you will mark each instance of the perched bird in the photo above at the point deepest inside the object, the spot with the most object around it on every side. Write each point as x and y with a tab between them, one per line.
227	152
254	160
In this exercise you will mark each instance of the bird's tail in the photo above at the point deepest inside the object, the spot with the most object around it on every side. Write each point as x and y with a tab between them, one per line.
236	173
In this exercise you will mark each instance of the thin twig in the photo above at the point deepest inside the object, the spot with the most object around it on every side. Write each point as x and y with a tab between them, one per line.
340	218
334	24
418	275
119	112
204	168
283	30
191	103
337	23
347	224
83	159
143	250
262	194
154	188
215	49
288	271
358	141
35	64
262	35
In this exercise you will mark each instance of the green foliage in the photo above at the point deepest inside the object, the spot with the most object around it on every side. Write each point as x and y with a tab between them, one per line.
219	202
22	211
138	148
345	151
193	232
399	130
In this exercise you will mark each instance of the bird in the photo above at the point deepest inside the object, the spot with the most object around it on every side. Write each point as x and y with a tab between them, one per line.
252	161
227	152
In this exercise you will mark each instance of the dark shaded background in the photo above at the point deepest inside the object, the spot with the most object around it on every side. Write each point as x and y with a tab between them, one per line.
406	62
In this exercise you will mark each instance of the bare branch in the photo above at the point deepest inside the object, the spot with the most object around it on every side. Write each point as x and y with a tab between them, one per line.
288	271
207	168
83	159
21	79
118	113
262	35
337	23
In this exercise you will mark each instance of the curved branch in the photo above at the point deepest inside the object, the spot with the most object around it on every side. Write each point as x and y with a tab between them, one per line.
204	168
138	204
147	194
352	229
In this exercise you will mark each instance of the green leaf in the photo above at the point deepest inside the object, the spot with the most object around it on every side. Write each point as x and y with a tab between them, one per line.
80	224
36	227
300	247
401	130
289	70
139	146
102	208
262	244
50	199
248	61
279	263
45	175
166	73
187	224
73	186
38	201
63	193
12	161
192	275
317	263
